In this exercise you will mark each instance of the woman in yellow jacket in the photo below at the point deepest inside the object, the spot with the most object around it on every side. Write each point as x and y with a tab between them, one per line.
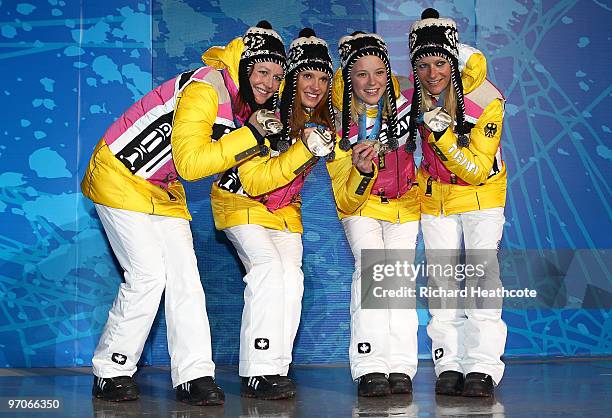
258	206
373	178
462	188
199	123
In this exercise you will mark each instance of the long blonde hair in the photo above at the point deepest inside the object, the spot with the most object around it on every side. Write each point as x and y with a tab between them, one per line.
450	101
358	108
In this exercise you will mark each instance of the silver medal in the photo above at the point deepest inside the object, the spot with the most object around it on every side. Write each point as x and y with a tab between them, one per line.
269	122
320	142
437	119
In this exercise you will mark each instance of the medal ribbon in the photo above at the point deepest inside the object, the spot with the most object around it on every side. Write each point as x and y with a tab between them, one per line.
363	133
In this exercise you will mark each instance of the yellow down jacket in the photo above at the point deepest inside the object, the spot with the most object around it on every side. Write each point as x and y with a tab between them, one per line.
258	175
195	153
352	191
479	167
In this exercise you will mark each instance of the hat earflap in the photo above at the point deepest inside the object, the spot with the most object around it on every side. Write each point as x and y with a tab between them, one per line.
392	116
462	129
410	145
330	108
347	97
286	110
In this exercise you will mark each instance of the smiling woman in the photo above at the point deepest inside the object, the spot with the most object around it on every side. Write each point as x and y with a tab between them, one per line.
312	103
265	79
312	85
258	206
462	190
434	73
372	178
191	127
369	77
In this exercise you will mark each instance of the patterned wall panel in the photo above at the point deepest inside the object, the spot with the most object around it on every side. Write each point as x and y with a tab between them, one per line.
327	258
70	69
556	140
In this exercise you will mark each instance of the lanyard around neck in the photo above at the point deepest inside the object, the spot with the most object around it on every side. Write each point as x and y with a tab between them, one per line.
363	132
439	103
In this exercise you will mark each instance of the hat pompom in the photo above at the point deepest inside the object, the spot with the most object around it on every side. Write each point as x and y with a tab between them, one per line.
345	144
430	13
264	24
263	150
393	143
463	140
307	32
410	146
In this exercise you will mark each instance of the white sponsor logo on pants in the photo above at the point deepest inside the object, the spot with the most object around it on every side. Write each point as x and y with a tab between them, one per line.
272	297
156	253
382	340
466	340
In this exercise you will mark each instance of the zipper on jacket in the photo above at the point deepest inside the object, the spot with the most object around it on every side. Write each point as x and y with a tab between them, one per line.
171	196
436	165
285	194
381	161
429	186
381	194
442	196
397	172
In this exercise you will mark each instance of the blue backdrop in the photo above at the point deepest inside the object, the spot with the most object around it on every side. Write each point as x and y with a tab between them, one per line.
69	68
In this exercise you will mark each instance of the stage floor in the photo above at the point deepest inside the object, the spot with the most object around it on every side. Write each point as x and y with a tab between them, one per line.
560	388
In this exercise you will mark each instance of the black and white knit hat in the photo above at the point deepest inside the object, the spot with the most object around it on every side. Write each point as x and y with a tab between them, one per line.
351	48
436	36
261	44
307	52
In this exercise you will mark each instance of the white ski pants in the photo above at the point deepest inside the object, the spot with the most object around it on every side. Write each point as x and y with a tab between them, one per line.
272	297
466	340
157	255
382	340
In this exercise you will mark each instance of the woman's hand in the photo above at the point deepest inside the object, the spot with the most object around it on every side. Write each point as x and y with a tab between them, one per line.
265	122
318	140
306	133
363	154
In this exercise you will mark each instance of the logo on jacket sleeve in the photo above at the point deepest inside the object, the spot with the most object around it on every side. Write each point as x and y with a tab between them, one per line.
490	130
364	348
439	353
262	343
119	358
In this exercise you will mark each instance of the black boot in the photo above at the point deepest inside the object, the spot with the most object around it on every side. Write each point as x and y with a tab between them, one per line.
478	385
450	383
267	387
400	383
200	391
373	384
115	389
